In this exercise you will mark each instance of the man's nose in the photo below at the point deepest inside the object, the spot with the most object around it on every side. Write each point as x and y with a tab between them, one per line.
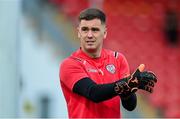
90	34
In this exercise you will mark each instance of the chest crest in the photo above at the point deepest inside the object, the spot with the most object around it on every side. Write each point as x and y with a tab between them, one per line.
111	68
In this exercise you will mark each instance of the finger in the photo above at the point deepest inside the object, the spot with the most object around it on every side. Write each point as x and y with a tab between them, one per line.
141	67
151	84
153	76
148	82
150	76
149	89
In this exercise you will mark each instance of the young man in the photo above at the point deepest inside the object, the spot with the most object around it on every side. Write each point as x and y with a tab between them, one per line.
94	80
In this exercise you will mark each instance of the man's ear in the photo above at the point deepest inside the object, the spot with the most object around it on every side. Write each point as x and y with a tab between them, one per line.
105	33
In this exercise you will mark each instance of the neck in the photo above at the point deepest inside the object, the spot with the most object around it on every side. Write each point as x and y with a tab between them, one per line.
93	54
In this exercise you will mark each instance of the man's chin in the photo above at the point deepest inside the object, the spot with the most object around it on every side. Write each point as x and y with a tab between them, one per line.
91	50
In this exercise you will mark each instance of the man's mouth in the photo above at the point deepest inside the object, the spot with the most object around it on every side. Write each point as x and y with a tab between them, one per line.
90	41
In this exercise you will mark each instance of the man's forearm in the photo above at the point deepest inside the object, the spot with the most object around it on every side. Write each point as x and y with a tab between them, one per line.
101	92
95	92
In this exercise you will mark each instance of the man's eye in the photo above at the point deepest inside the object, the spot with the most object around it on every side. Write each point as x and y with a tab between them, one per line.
84	29
95	29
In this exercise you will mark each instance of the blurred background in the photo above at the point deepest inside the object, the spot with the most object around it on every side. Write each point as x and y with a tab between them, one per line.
36	35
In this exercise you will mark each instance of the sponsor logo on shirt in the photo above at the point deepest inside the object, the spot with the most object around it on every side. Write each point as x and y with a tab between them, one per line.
92	70
111	68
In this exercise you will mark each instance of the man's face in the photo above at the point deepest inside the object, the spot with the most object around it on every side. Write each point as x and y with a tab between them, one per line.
91	34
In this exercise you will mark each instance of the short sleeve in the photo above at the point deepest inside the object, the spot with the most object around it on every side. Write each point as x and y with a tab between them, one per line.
71	71
123	66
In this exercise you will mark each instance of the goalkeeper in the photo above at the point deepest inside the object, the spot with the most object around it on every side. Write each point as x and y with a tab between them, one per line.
95	80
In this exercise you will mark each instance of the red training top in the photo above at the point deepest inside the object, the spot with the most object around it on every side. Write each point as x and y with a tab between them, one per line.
109	67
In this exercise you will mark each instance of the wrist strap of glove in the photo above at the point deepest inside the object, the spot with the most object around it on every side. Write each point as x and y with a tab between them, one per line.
121	86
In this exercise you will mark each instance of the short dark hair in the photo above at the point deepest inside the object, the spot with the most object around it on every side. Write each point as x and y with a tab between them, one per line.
92	13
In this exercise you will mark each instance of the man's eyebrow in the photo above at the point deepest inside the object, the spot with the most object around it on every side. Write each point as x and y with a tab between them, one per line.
92	28
84	28
95	29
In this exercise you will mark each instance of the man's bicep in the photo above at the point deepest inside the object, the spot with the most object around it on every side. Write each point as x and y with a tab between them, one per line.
71	72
